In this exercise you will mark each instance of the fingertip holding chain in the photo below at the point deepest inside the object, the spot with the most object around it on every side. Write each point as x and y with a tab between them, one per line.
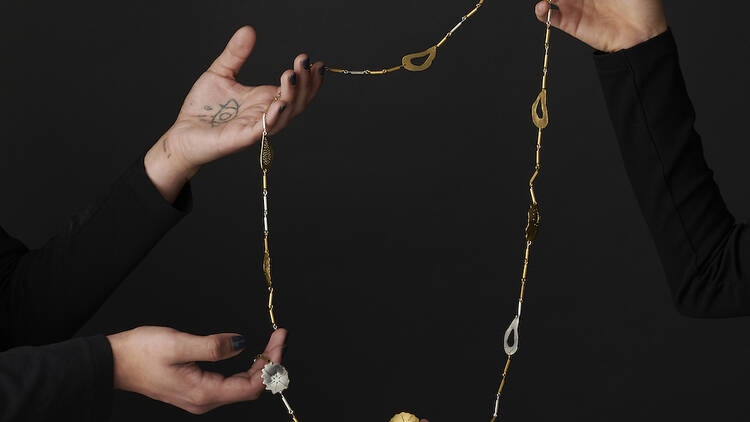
407	61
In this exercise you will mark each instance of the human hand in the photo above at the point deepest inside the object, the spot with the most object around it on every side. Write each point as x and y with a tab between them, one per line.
607	25
221	116
160	363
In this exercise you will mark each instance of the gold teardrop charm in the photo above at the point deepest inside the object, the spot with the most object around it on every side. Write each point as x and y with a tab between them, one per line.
534	223
404	417
406	61
266	154
267	268
540	121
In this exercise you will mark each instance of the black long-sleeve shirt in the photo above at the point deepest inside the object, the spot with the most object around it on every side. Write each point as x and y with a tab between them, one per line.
47	294
704	251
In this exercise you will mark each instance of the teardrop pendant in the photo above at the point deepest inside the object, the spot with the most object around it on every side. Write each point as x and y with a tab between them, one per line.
406	61
511	350
540	121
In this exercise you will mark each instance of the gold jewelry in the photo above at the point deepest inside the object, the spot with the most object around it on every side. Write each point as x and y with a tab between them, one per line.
404	417
276	377
407	62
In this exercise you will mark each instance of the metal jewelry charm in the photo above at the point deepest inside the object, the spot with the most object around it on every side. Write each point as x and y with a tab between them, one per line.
404	417
275	378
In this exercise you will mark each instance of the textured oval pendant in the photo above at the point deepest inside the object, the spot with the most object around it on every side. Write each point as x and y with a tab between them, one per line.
511	350
267	267
534	223
540	121
404	417
406	61
266	154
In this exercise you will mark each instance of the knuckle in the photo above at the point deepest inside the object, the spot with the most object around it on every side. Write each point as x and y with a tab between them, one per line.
214	348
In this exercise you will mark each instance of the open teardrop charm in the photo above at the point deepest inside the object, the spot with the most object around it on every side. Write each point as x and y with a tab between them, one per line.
534	223
540	121
512	329
266	154
406	61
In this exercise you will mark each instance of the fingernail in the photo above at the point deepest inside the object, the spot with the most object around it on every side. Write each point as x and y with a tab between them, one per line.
322	70
238	342
306	64
281	110
293	79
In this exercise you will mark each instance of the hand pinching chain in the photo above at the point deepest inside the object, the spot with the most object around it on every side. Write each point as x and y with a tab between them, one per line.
275	376
534	216
407	62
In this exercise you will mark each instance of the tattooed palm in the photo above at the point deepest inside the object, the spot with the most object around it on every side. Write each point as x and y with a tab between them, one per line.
221	116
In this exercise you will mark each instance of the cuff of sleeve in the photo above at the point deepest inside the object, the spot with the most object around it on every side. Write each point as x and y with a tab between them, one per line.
150	197
102	388
645	52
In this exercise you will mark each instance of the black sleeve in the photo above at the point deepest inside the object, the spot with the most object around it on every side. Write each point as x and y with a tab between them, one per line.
70	381
46	294
705	253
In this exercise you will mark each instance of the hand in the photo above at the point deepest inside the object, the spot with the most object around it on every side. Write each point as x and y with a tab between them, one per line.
221	116
159	362
607	25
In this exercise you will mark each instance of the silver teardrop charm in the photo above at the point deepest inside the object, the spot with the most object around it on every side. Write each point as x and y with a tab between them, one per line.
512	329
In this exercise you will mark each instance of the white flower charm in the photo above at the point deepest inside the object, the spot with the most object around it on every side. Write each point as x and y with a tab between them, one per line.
275	378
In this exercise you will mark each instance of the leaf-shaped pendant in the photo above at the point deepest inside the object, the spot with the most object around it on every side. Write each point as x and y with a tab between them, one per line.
511	350
266	153
404	417
267	267
540	121
406	61
534	223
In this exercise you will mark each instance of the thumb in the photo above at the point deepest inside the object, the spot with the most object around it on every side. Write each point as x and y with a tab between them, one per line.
229	63
211	348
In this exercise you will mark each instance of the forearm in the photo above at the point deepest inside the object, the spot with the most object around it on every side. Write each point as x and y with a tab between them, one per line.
48	293
64	381
704	253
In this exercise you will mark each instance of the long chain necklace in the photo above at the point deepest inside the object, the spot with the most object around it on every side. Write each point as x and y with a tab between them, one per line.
275	376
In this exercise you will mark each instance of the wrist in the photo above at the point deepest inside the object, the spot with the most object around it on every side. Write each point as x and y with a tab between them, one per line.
116	342
167	169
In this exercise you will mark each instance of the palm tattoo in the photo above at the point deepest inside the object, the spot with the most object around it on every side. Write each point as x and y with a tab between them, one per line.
226	113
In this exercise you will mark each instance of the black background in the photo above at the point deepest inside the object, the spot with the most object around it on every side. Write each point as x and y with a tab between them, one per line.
397	206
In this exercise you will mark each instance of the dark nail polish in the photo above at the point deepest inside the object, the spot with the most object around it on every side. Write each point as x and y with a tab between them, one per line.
306	63
293	79
238	342
322	70
281	110
554	6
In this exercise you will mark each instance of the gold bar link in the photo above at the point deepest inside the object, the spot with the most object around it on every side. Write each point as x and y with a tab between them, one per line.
294	418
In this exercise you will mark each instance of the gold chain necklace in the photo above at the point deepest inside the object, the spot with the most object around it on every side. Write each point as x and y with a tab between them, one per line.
407	62
275	376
